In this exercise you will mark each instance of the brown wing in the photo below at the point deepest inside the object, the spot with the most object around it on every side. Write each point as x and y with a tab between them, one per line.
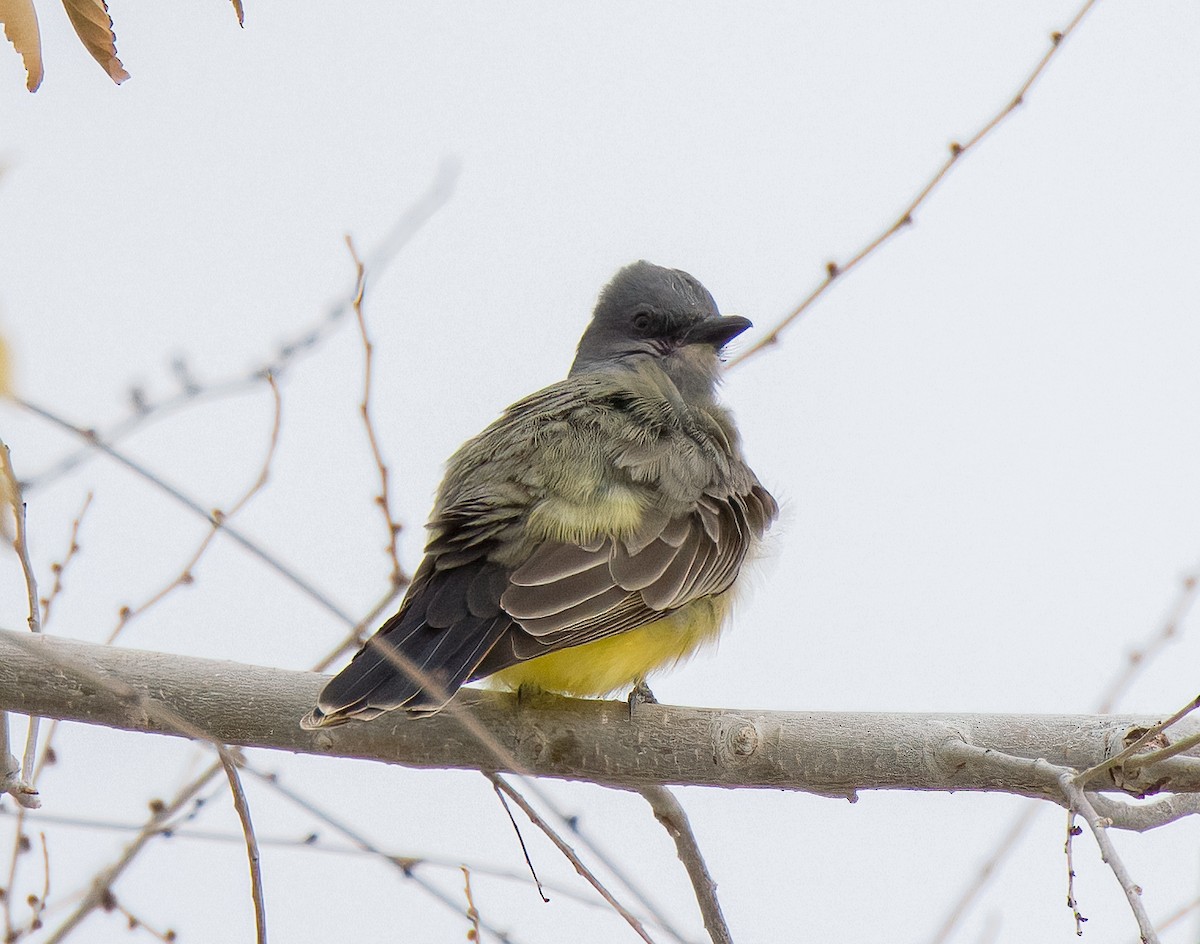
565	595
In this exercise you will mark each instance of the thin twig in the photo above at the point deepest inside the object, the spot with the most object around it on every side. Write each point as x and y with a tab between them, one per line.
35	922
311	842
521	841
472	911
834	271
94	439
406	865
58	568
407	225
1069	852
501	785
1179	914
1080	803
1168	630
218	521
1156	757
21	538
105	878
357	635
242	807
1068	848
134	922
504	756
984	873
1147	736
1135	663
150	708
20	844
384	500
20	786
1143	817
674	820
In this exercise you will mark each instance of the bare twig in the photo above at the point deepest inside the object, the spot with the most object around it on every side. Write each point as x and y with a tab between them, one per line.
184	578
675	821
1077	802
472	911
19	784
506	760
37	903
357	635
218	520
406	865
1178	914
1069	852
20	845
502	786
1168	630
96	442
1152	732
407	225
1146	816
1157	757
21	538
103	881
229	763
397	577
135	922
834	270
967	897
1137	661
537	882
312	842
58	568
145	706
190	390
1081	804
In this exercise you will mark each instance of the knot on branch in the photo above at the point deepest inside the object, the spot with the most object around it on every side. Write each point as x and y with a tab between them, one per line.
735	741
1130	777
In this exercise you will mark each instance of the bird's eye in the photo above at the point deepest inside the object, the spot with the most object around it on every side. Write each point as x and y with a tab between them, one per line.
642	320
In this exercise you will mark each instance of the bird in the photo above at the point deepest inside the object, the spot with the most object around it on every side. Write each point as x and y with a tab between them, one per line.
591	535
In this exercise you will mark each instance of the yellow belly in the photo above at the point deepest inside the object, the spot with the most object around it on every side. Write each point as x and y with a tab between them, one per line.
609	665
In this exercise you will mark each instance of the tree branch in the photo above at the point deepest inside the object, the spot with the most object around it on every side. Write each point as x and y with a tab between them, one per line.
674	820
828	753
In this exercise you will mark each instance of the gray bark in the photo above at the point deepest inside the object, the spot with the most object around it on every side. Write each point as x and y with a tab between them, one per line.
830	753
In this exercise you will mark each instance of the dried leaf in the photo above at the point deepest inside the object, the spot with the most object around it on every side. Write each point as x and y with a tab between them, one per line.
94	28
241	14
21	29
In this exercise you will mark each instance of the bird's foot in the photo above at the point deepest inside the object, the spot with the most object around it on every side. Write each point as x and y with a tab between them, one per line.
527	692
640	694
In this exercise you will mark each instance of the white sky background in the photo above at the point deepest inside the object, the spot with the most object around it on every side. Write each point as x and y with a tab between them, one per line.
985	438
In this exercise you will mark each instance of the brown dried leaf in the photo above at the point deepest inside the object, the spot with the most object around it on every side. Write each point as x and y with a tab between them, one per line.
94	28
21	29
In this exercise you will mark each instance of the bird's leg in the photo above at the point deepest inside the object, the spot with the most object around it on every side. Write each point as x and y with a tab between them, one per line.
527	692
640	694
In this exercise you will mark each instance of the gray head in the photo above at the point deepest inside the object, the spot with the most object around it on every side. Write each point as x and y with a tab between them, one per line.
666	315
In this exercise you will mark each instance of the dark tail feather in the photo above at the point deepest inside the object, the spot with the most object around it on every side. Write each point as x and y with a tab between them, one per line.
418	670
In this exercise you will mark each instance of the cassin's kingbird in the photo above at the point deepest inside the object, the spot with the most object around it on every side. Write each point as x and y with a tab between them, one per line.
589	536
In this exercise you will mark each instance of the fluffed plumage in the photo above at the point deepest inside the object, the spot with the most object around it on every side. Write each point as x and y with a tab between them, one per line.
592	533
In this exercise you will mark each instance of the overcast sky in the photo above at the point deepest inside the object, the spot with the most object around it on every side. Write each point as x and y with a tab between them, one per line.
985	439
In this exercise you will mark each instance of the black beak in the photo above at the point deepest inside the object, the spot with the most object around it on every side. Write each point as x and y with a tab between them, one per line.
718	331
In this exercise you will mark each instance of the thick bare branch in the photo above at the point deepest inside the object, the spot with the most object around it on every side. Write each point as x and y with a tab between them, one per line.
829	753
